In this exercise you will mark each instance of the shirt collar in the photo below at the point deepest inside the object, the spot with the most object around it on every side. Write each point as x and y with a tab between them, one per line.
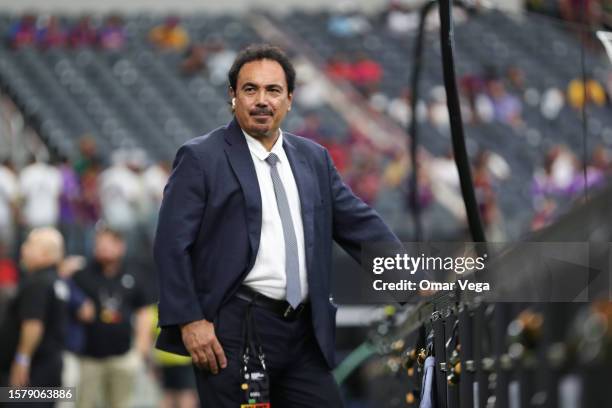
260	151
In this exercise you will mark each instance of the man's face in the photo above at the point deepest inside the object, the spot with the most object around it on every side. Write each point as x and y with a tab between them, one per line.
108	248
40	250
262	98
32	253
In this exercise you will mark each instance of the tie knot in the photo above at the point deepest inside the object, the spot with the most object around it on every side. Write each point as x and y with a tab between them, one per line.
272	159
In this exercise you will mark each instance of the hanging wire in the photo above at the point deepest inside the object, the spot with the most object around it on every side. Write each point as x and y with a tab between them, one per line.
584	30
413	127
454	111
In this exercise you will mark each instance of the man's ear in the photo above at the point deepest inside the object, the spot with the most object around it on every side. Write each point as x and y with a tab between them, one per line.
232	96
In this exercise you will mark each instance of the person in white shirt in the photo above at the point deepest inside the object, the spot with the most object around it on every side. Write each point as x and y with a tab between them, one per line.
40	186
154	179
9	193
121	194
244	241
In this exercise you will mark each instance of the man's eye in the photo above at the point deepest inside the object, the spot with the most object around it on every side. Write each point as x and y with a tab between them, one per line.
275	91
249	90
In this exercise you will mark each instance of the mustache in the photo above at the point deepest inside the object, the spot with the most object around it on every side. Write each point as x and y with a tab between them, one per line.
261	111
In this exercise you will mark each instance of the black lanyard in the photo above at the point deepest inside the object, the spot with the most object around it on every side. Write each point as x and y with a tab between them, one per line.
255	382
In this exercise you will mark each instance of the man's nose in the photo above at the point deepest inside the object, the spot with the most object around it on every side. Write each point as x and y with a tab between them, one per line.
261	100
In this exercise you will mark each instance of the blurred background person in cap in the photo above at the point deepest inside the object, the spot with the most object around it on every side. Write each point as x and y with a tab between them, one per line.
33	332
120	336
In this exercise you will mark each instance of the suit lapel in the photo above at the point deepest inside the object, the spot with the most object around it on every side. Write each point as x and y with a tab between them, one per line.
239	156
303	175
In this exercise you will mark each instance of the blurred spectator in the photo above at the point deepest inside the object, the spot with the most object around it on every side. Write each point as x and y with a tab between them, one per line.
396	171
220	60
366	73
595	175
364	179
83	34
154	180
40	185
400	18
487	198
69	201
109	364
595	93
51	35
339	67
31	350
195	60
484	111
120	193
312	88
81	310
89	211
169	36
211	58
602	160
9	195
552	103
312	128
112	34
399	108
339	154
8	278
88	154
581	11
507	107
472	87
544	215
554	179
438	111
23	32
497	166
609	82
425	191
177	378
348	24
516	79
444	170
363	72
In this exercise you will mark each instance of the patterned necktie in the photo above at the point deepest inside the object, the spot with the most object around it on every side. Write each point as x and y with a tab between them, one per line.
292	270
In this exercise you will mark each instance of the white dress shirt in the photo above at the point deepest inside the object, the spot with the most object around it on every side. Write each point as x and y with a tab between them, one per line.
268	273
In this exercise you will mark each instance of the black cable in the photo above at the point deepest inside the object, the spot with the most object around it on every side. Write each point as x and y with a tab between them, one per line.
454	111
583	27
415	207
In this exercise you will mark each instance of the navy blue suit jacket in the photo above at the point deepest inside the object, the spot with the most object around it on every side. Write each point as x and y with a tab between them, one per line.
210	224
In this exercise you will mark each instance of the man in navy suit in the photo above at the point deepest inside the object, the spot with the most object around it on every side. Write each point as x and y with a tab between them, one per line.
246	223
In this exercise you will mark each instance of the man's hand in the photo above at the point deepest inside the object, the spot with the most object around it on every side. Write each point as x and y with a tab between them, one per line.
70	265
20	374
201	342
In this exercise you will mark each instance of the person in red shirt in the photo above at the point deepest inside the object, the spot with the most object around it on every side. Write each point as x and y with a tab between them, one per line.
366	73
83	34
23	33
52	35
9	278
339	68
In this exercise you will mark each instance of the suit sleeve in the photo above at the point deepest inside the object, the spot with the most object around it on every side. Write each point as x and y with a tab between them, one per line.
179	220
354	222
